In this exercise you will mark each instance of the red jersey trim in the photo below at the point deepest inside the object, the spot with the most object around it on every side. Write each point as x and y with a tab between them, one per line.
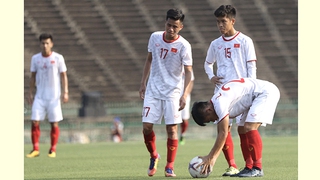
231	38
169	41
251	60
46	56
223	118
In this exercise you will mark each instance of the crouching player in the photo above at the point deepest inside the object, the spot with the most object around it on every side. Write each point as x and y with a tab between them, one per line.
256	100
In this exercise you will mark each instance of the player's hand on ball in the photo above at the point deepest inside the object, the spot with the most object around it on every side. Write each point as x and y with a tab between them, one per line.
207	165
195	168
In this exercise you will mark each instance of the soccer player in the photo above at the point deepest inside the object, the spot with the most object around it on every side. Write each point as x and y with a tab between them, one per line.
48	72
235	56
185	113
256	100
169	55
117	130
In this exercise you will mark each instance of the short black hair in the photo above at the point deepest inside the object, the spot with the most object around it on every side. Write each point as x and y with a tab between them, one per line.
175	14
44	36
198	112
226	10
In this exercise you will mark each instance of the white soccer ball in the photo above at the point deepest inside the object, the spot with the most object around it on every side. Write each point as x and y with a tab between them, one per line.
194	171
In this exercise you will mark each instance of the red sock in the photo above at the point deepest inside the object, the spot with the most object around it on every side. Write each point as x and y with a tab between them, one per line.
35	135
150	142
172	146
255	147
228	151
184	126
245	150
55	131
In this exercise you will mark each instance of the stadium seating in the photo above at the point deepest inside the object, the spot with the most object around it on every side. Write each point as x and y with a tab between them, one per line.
105	42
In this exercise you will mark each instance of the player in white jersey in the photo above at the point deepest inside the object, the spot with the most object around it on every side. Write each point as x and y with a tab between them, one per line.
235	57
48	72
185	113
169	55
256	101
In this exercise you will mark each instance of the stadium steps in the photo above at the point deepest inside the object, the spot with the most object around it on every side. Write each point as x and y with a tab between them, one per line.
113	49
126	77
106	73
278	62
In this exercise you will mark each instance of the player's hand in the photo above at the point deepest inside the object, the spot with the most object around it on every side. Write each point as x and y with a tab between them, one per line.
65	97
30	99
216	80
142	90
207	164
182	103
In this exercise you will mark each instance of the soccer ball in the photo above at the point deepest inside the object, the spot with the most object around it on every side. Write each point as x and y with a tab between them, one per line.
194	171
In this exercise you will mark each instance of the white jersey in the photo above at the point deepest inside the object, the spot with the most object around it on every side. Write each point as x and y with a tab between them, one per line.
168	60
232	56
48	71
236	97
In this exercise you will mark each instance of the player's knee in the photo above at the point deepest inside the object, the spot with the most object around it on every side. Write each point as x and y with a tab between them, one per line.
35	123
251	126
147	129
241	130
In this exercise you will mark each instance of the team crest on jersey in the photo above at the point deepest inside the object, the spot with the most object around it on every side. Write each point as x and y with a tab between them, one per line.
253	115
157	44
236	46
174	50
52	61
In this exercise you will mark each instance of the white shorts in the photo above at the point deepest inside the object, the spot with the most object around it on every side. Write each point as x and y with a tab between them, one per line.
154	109
263	107
51	108
185	113
238	118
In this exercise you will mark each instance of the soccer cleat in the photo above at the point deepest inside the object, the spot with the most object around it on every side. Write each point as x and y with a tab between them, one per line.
33	153
231	171
243	171
182	141
169	173
254	172
52	154
153	165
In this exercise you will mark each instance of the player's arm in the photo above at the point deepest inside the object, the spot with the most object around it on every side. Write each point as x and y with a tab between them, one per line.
251	59
211	158
64	81
32	87
187	86
209	61
252	69
208	66
145	74
190	87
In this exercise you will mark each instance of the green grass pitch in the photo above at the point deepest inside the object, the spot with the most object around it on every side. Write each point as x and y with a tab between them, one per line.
130	160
